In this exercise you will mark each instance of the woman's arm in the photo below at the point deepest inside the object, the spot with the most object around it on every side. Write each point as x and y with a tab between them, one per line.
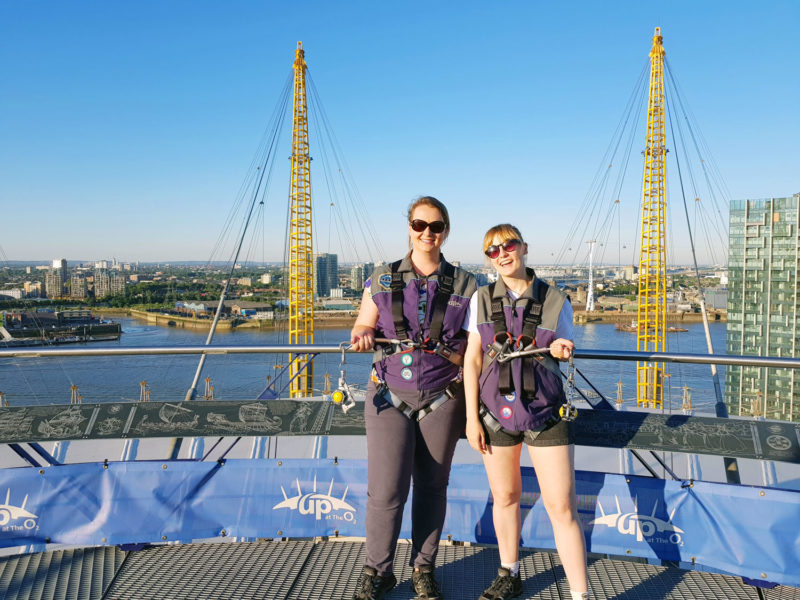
562	347
362	336
473	362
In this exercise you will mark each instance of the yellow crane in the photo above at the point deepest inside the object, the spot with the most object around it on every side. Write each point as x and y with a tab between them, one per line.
301	262
652	308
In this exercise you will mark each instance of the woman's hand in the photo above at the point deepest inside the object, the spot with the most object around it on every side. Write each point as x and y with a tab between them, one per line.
476	436
362	338
561	349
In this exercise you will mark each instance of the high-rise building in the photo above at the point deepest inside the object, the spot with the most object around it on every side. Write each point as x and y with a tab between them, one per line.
102	283
326	274
77	286
763	306
357	278
118	282
56	278
368	269
108	283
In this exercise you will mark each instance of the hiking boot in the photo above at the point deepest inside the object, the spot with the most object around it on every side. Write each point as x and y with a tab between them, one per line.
372	586
424	585
504	586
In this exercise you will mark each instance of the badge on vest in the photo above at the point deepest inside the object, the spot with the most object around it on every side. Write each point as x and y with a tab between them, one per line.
406	374
510	397
506	412
406	359
385	281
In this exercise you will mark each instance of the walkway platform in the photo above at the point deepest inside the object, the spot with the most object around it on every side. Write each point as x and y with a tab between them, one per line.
328	570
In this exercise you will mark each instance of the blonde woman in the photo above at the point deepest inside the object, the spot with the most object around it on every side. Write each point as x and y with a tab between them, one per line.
516	401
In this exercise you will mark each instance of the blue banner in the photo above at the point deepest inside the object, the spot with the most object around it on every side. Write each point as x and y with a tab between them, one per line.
742	530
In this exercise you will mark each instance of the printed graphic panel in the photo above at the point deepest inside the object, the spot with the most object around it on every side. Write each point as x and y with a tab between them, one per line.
737	438
743	530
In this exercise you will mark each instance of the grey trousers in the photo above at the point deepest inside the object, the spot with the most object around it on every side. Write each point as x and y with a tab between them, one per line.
399	451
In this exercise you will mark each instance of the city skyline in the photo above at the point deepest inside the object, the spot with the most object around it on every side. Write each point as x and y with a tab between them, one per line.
129	132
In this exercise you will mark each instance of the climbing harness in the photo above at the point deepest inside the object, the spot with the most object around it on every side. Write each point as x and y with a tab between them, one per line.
343	395
415	414
567	411
523	347
432	344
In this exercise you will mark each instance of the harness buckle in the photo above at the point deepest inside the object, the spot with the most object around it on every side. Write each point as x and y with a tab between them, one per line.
497	348
488	418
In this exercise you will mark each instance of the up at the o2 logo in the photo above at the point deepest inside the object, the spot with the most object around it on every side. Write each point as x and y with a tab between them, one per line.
319	505
643	527
16	518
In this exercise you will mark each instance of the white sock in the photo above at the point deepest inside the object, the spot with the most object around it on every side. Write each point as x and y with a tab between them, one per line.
579	595
512	567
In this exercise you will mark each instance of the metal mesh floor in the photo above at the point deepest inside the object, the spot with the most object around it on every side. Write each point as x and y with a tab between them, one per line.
328	570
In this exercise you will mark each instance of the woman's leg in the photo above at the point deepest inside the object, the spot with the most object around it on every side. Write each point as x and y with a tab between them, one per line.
437	434
390	448
502	469
555	471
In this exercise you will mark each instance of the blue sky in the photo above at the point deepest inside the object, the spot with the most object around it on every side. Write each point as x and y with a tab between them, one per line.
127	128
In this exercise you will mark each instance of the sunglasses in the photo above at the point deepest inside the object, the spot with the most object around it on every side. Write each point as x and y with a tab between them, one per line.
419	226
493	251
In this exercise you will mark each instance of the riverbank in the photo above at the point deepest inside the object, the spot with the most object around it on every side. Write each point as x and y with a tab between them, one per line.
582	317
345	320
326	321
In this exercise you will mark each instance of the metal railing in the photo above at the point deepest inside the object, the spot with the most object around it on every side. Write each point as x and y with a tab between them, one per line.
580	353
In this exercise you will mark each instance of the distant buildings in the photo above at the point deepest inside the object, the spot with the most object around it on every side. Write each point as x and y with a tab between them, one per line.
108	283
56	278
357	277
763	302
326	274
77	286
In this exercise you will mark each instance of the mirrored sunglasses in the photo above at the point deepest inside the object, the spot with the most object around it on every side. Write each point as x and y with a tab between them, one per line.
493	251
419	226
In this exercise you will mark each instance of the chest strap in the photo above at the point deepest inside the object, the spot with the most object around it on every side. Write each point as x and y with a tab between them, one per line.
441	301
385	349
531	319
397	287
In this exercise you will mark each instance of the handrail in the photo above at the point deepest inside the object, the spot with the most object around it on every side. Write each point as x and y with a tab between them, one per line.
580	353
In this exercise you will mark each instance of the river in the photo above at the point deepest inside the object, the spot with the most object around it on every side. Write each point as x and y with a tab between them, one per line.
36	381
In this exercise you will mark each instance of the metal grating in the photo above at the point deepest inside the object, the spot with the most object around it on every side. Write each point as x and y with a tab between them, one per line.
782	593
255	570
331	571
629	580
82	574
328	570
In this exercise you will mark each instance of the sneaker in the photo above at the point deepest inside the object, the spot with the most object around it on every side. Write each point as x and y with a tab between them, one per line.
424	585
504	586
372	586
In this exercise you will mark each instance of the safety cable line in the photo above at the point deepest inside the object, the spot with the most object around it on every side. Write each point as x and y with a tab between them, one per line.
688	117
694	257
356	209
599	182
271	132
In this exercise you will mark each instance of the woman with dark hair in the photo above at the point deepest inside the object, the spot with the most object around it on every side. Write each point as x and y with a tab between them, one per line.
411	314
519	400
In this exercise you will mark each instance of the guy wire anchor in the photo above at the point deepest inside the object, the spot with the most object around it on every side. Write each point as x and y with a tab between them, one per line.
343	395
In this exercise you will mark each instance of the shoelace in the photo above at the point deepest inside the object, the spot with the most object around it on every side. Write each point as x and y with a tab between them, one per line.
427	583
503	584
367	584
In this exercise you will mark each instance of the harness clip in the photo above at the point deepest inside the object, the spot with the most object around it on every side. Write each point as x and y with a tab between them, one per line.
343	395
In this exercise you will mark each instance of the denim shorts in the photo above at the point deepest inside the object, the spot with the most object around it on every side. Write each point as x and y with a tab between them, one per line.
557	432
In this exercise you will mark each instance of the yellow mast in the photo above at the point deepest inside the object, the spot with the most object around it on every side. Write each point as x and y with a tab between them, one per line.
652	309
301	264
